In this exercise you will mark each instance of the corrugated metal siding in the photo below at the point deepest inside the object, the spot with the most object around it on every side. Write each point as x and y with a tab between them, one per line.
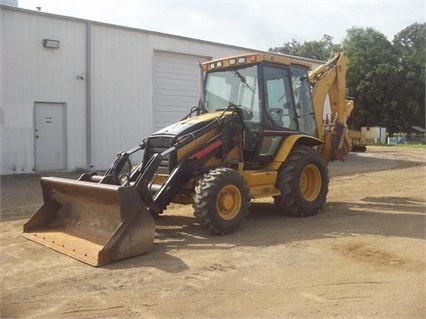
121	85
176	86
32	73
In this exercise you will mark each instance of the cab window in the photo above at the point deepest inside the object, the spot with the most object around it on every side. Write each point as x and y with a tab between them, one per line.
278	101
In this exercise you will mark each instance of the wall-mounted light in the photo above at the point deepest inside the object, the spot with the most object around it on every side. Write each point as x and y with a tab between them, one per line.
52	44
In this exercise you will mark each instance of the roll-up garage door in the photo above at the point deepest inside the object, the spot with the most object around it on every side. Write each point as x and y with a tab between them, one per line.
176	86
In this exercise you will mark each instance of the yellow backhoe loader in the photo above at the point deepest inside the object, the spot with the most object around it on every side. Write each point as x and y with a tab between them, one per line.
259	131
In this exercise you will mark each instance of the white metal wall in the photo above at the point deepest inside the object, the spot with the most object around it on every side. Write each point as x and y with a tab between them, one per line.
120	90
31	73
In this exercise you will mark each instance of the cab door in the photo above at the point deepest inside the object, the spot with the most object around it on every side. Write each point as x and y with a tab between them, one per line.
303	100
279	115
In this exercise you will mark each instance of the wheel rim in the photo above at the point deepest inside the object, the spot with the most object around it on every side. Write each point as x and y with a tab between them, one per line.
310	182
229	202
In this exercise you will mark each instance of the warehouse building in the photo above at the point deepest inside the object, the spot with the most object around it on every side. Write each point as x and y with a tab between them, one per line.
73	92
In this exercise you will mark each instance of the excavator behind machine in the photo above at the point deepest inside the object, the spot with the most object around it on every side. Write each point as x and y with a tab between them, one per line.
358	142
259	131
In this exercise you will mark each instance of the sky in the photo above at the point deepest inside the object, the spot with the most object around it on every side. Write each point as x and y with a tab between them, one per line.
257	25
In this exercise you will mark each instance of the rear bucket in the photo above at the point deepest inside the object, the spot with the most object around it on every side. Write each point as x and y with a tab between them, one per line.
94	223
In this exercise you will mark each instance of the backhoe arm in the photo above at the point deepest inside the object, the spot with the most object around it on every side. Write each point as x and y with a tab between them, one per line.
330	79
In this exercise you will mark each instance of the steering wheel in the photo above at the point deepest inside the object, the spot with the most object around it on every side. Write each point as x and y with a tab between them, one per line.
245	112
276	115
275	111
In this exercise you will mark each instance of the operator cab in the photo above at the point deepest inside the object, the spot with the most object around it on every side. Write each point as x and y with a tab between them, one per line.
273	95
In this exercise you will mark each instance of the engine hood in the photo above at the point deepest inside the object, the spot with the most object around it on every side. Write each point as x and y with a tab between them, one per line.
189	125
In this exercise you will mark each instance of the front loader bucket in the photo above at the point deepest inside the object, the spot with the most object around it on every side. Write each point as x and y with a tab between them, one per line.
94	223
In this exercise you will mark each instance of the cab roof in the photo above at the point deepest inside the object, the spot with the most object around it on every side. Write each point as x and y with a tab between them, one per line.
246	59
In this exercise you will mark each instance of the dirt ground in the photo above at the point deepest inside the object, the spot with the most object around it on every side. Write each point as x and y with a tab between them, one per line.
362	256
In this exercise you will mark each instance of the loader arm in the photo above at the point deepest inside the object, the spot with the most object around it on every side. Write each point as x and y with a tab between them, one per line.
185	171
223	139
330	79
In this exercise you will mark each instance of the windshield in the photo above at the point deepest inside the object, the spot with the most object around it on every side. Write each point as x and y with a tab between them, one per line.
237	87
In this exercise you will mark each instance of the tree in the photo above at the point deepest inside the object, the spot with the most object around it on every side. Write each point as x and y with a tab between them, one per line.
410	45
373	78
318	50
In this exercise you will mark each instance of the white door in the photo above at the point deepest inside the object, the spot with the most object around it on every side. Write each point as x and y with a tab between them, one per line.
49	126
176	86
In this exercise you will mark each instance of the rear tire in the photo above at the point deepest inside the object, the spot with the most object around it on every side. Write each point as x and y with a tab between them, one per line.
221	201
303	183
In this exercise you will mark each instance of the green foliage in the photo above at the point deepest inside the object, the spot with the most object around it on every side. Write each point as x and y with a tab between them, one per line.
410	45
372	78
387	79
318	50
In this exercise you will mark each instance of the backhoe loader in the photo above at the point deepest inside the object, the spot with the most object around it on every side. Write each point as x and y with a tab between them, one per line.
258	131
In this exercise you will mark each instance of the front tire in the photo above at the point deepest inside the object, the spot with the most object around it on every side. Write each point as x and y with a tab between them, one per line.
221	201
303	183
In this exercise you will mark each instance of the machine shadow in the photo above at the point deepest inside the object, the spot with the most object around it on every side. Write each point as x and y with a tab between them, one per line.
265	226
